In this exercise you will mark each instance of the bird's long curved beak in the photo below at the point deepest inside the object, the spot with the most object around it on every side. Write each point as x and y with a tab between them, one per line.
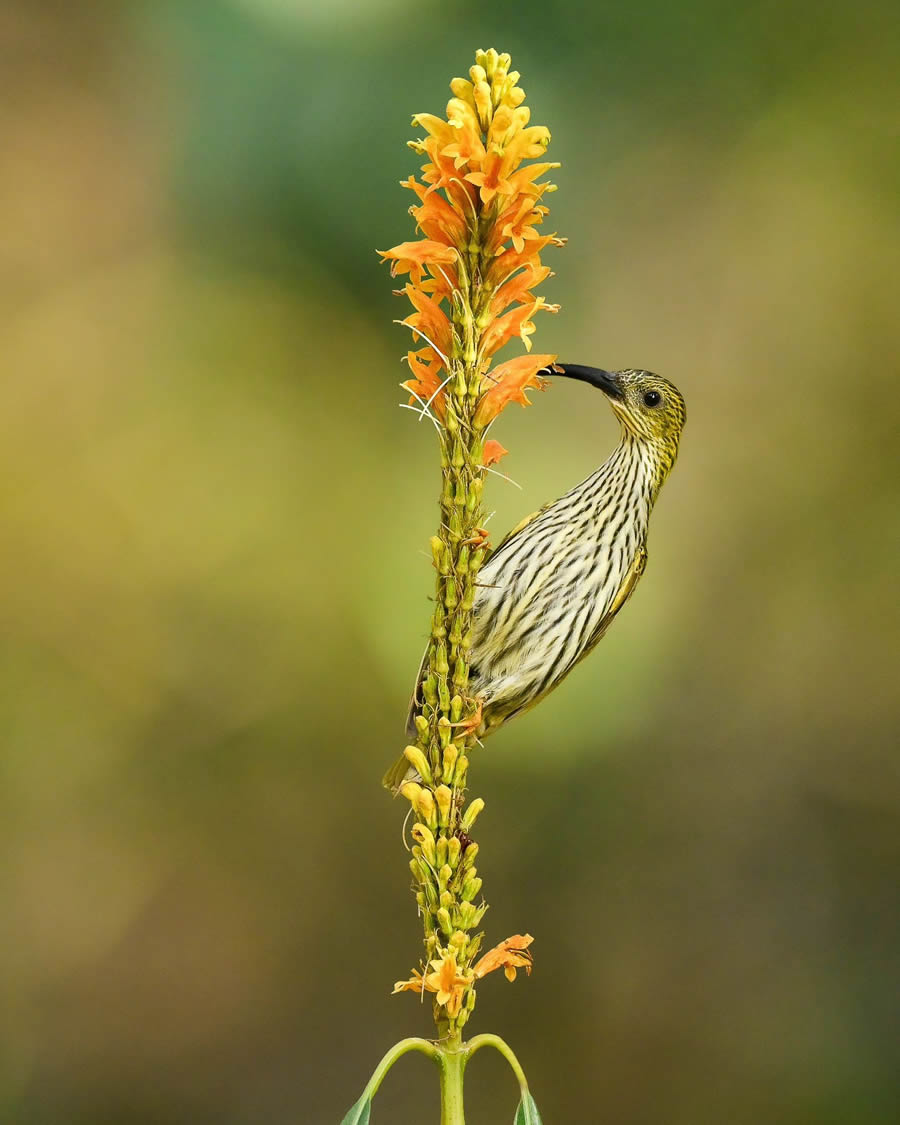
606	381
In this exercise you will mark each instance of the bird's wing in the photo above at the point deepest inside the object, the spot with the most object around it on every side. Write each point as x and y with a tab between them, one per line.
510	535
411	731
625	591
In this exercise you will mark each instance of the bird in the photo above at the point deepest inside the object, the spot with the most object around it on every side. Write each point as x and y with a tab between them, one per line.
553	586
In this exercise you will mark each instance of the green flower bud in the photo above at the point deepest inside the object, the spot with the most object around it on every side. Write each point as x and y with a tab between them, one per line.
471	887
430	689
475	946
470	855
470	1000
421	725
441	850
443	920
440	663
462	1017
431	896
446	899
445	875
466	913
451	600
458	941
444	730
443	694
437	551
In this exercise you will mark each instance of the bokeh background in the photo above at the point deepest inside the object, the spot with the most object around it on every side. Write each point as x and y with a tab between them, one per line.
213	582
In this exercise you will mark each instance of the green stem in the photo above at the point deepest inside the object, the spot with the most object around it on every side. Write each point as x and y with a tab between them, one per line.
452	1064
395	1053
505	1050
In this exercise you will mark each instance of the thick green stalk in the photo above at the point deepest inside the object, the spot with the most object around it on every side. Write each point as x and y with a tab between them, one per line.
453	1065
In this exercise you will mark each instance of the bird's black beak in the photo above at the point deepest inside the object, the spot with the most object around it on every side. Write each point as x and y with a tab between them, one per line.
606	381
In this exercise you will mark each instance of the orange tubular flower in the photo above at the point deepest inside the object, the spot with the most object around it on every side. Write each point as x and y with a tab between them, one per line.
445	981
473	274
509	956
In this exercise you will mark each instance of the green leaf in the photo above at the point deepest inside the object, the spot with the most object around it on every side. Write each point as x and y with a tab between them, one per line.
358	1114
527	1113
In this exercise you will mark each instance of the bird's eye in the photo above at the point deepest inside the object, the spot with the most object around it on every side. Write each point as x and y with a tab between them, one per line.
652	398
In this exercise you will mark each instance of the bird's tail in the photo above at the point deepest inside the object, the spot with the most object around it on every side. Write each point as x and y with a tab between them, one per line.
400	772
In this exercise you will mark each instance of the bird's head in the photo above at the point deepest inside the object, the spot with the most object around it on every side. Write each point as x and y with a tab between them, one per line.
649	407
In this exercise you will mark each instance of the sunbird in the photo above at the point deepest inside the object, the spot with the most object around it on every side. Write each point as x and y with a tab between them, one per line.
553	586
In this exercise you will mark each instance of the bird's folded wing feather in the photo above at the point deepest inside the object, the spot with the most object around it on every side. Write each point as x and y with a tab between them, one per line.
625	591
511	535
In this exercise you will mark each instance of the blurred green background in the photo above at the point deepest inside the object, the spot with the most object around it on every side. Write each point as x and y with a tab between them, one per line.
214	577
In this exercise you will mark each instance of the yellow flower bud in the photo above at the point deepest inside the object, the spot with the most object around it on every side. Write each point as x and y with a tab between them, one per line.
444	729
470	855
444	797
421	800
445	875
450	756
425	839
458	941
443	920
446	899
471	813
419	762
454	849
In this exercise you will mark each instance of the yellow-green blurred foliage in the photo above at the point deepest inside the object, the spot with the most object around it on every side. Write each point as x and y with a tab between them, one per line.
214	580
